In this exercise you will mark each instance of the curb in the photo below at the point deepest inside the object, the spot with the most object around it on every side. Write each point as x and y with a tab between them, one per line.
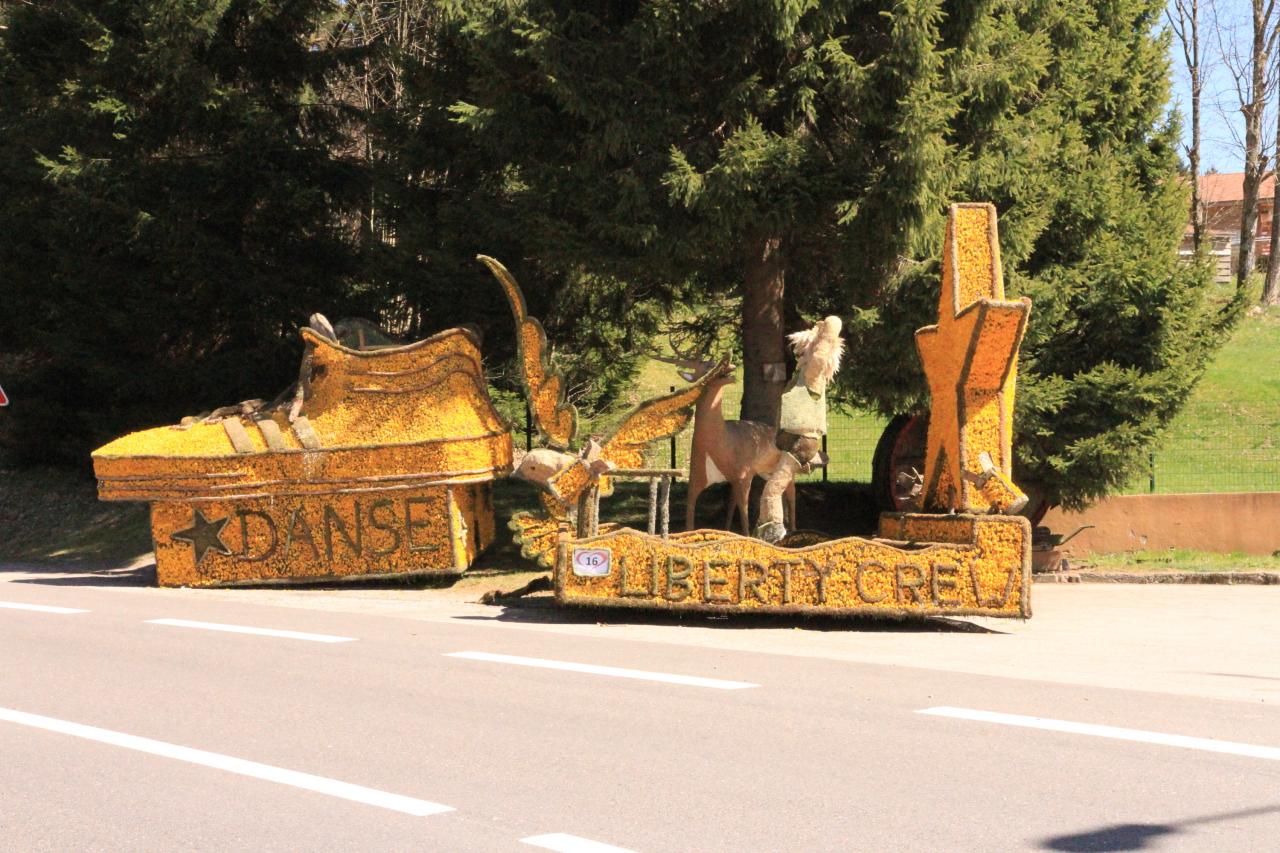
1228	578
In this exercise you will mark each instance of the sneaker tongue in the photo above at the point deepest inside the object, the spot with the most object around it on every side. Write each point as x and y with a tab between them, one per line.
321	326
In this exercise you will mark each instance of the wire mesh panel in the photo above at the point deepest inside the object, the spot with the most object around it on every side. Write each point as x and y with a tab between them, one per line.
1239	453
1216	451
851	442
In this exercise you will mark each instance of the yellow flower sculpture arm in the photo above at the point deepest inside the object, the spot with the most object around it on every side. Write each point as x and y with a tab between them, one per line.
556	419
650	421
655	419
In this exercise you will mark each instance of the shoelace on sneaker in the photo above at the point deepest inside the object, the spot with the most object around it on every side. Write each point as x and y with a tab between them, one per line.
259	411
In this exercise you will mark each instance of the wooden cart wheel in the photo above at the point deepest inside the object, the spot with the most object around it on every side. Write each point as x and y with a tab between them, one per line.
900	450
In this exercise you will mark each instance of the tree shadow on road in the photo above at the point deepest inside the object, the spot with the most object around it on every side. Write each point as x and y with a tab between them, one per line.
1138	836
1239	675
545	611
140	571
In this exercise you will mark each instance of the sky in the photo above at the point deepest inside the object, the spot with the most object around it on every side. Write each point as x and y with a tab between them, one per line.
1224	25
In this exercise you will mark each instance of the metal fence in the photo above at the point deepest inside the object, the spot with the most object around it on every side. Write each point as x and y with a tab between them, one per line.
850	444
1211	450
1235	453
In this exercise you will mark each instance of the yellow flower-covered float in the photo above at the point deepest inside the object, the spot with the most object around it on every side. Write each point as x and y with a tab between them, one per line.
965	553
378	463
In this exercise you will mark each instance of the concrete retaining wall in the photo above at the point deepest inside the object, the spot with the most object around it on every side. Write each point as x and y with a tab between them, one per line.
1225	522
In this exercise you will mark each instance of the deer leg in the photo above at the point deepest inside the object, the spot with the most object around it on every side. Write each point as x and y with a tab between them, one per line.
697	482
691	504
770	525
790	514
742	497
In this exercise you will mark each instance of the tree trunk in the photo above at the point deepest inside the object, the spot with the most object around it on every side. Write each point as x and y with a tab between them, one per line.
763	346
1271	290
1197	84
1246	260
1255	164
1184	21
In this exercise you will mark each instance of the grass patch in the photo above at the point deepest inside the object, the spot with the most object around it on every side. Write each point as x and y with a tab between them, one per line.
52	515
1179	560
1227	437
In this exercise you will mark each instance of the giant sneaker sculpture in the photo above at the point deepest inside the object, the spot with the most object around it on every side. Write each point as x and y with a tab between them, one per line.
378	462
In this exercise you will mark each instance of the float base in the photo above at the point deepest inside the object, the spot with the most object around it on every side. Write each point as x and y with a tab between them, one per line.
920	565
433	530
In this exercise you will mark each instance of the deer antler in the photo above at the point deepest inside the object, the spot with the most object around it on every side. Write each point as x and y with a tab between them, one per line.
690	363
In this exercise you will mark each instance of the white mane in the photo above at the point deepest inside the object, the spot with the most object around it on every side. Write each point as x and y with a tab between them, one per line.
821	345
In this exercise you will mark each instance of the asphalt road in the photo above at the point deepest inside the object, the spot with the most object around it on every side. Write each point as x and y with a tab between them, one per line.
118	732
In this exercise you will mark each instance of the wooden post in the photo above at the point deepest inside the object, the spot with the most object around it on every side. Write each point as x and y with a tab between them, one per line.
589	512
664	498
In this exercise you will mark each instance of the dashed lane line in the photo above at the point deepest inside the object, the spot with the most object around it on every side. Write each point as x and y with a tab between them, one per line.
39	608
1248	750
614	671
564	843
245	629
240	766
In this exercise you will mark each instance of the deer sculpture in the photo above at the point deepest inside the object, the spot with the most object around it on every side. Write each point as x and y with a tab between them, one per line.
732	451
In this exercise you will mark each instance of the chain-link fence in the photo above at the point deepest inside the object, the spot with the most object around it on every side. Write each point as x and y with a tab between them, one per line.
1239	452
1216	450
850	444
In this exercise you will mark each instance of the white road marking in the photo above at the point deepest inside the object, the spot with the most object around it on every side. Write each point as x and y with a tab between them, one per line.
243	629
39	608
1186	742
319	784
616	672
564	843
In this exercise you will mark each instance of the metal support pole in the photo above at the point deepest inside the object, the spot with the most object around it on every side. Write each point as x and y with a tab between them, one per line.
595	510
824	456
673	439
528	427
1151	485
653	505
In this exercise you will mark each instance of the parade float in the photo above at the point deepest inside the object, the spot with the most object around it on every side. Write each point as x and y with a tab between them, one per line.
960	550
378	462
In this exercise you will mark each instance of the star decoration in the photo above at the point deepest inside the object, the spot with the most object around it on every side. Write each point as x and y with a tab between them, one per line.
970	358
203	535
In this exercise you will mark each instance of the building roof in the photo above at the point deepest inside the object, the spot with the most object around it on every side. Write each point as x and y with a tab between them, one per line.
1222	187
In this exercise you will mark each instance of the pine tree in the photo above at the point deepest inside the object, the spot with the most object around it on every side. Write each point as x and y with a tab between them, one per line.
171	210
1067	135
704	148
801	155
440	200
